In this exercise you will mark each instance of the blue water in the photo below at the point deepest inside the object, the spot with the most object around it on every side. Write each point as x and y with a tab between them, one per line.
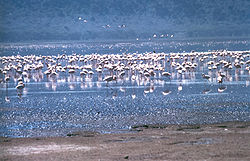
55	107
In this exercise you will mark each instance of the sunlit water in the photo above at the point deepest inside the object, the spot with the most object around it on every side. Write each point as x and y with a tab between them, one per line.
55	107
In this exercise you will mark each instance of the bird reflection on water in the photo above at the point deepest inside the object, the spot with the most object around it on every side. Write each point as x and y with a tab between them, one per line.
119	90
146	70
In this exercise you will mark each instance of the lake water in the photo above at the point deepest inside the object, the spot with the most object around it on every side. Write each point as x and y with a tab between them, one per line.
56	107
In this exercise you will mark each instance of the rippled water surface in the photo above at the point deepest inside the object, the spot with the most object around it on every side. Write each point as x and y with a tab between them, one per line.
55	106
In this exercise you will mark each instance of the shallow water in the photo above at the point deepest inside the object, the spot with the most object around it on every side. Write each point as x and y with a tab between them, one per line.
116	47
57	106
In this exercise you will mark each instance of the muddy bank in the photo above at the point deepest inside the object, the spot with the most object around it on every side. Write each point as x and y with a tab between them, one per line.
225	141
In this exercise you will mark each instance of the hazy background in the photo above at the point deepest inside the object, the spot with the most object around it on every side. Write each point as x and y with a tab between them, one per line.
57	20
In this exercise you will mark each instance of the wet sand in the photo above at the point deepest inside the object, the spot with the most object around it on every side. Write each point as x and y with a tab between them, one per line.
225	141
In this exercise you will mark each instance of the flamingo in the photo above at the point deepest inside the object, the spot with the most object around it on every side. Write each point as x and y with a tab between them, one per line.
220	79
109	79
204	76
71	71
222	89
166	74
166	92
20	85
7	78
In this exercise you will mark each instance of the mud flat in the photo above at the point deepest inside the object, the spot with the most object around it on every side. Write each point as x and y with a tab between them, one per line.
224	141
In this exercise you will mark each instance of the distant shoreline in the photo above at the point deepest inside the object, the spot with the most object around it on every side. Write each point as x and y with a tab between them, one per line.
122	40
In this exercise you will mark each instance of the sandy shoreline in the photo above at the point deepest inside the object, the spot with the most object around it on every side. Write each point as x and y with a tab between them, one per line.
225	141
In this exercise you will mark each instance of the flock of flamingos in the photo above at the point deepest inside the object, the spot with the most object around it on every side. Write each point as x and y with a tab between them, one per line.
212	67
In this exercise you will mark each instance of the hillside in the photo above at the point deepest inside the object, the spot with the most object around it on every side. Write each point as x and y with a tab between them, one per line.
27	20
